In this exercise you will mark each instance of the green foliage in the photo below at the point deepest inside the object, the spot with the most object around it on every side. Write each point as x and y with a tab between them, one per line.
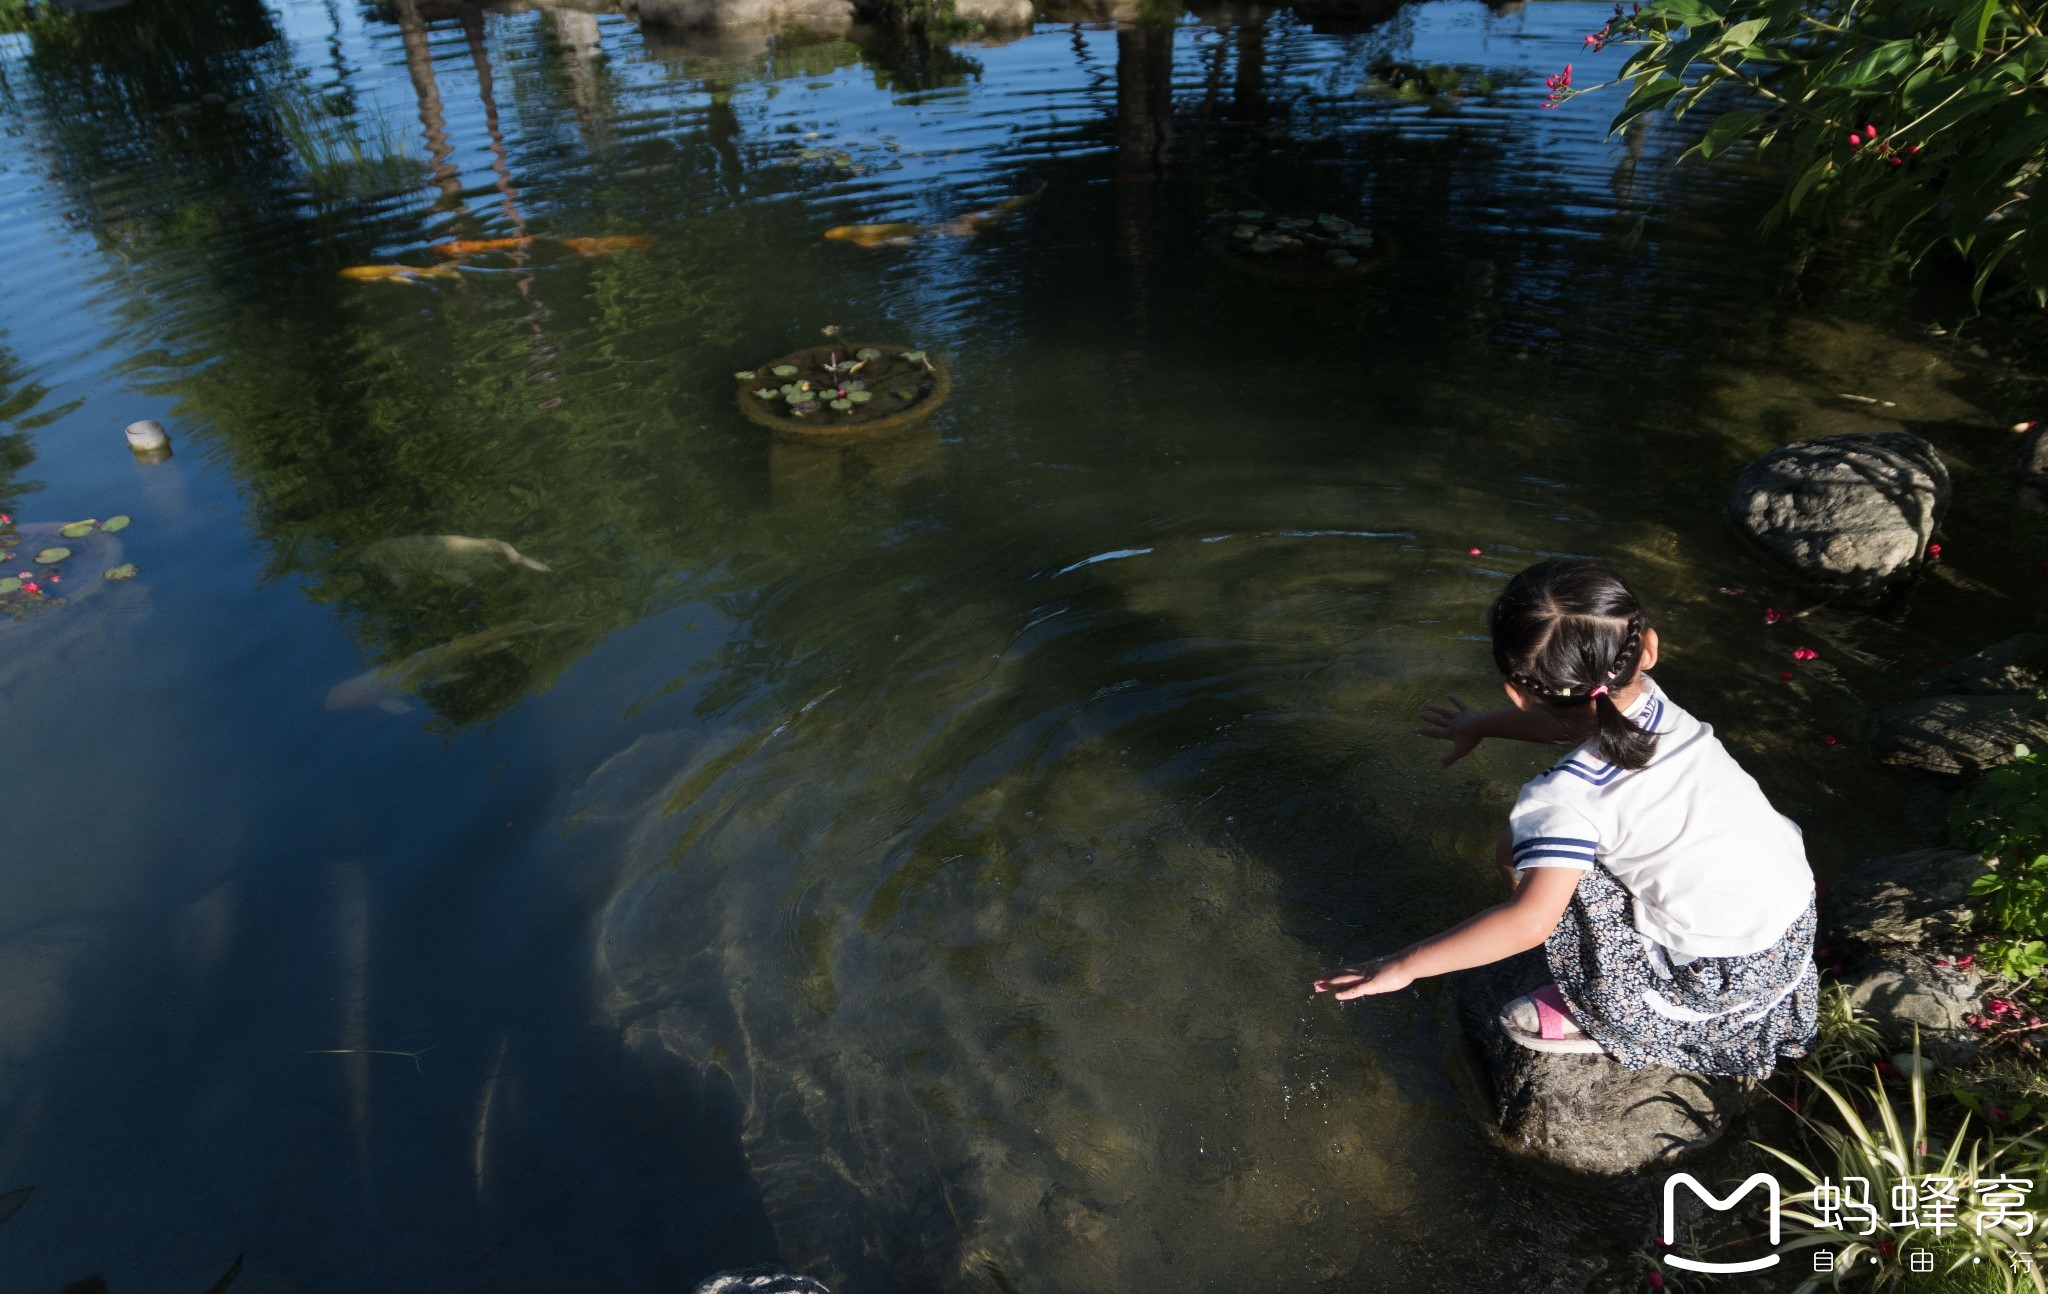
1848	1040
1943	98
1902	1151
2006	818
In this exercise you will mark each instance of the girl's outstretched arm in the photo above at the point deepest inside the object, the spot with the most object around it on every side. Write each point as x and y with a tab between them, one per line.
1524	921
1465	727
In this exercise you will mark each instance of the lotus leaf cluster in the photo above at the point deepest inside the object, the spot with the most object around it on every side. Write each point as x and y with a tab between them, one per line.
1303	247
842	160
30	572
845	386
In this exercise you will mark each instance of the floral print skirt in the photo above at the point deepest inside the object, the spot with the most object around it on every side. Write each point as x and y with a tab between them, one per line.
1712	1015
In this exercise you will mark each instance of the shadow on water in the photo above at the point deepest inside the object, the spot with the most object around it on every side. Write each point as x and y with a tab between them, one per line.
907	859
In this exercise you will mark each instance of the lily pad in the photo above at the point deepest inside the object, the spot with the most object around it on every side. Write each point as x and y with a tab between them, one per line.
785	370
9	585
796	397
867	353
51	556
859	397
1251	215
842	404
1344	261
745	375
112	524
914	356
78	529
125	571
767	393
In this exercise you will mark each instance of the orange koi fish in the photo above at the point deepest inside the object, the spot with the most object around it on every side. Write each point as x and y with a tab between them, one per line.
478	246
902	235
898	235
608	244
398	273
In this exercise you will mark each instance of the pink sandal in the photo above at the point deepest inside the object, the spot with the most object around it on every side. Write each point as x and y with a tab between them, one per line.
1541	1022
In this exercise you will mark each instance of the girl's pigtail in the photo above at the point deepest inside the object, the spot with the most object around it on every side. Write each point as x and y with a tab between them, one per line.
1621	741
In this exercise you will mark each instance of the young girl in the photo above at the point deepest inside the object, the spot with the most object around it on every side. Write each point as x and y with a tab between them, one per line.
1674	905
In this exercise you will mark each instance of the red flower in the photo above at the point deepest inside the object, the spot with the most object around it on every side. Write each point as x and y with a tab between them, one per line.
1870	131
1965	960
1772	615
1934	551
1887	1069
31	587
1786	675
1855	140
1829	740
1656	1280
1996	1113
1898	161
1887	1248
1805	653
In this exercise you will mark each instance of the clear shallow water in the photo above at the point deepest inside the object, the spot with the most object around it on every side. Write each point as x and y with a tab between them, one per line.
906	861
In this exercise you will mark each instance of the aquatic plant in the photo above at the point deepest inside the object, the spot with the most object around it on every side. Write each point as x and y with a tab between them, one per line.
1924	116
342	154
1297	249
842	387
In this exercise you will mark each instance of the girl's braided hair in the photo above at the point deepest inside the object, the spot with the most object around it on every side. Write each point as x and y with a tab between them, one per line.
1568	632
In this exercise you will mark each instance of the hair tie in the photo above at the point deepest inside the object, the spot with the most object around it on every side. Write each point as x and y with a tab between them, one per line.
1598	691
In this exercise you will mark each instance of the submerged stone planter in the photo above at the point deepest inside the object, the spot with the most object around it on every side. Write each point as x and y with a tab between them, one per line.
841	390
1297	251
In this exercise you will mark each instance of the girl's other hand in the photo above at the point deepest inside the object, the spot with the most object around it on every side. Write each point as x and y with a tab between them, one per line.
1459	726
1380	975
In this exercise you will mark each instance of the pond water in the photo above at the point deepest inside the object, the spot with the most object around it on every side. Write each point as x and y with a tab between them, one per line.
906	860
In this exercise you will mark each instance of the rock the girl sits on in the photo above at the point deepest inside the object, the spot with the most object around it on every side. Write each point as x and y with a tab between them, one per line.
1674	905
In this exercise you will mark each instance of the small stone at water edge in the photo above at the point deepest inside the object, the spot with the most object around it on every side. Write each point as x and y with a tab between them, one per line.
125	571
1905	1062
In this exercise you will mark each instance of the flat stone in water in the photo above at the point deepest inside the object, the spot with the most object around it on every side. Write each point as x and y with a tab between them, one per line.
2019	664
1958	734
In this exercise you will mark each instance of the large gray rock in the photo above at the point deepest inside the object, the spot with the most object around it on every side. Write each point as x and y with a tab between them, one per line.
1915	902
1588	1114
2034	458
1905	991
2019	664
1899	921
1958	734
1853	514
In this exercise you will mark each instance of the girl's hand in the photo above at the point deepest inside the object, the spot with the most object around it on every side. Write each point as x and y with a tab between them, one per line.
1458	726
1380	975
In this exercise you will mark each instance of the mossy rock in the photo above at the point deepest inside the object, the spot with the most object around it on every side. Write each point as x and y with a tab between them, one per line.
1322	250
901	386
